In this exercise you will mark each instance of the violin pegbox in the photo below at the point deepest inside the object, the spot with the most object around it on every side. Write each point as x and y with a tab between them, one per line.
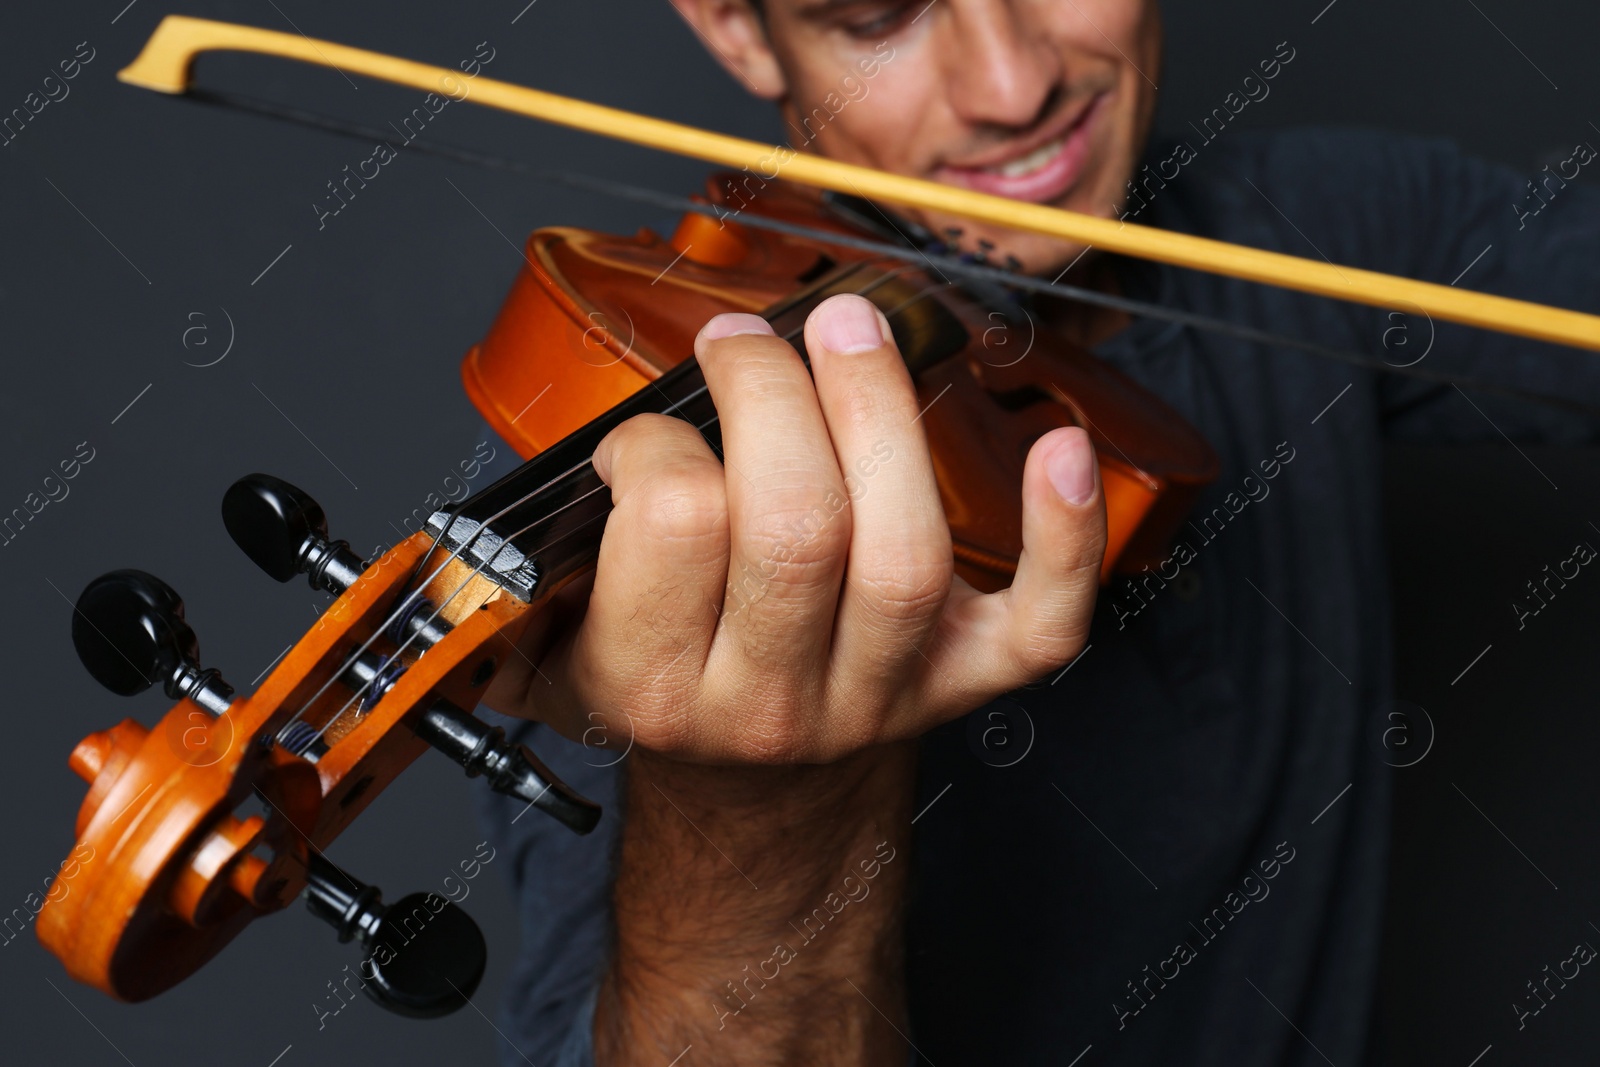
220	814
284	531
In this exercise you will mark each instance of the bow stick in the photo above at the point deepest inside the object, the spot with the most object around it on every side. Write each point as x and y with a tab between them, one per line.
165	62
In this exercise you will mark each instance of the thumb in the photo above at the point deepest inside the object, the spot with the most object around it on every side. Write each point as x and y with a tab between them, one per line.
996	642
1050	603
535	680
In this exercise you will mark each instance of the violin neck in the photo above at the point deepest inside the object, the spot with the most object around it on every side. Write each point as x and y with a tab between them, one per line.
541	524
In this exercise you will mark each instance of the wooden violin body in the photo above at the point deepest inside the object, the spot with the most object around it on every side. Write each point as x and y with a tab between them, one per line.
592	319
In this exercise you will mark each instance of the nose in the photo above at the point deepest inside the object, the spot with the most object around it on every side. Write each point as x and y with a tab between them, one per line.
1000	71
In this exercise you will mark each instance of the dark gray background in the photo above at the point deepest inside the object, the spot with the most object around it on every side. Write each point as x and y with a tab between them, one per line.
124	213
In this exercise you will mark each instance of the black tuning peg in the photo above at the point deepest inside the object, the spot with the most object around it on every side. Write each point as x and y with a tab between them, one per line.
508	767
285	533
424	956
129	630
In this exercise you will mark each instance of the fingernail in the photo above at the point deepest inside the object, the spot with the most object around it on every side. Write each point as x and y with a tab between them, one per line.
1071	468
733	324
848	324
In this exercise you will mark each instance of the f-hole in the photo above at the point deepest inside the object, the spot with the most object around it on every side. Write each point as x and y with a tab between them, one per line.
822	266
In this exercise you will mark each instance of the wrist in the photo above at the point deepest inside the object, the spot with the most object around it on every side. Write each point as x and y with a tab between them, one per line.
871	783
754	846
752	902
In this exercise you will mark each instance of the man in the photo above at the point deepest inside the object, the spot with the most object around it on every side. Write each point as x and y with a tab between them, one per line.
1180	856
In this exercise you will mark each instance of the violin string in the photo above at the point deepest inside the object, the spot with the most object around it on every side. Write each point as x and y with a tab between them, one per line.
409	598
379	632
416	592
913	255
359	693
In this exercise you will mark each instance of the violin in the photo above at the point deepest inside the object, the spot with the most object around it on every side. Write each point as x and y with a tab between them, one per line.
221	813
602	326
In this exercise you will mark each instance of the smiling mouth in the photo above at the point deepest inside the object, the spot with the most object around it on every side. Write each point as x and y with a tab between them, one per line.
1035	160
1041	175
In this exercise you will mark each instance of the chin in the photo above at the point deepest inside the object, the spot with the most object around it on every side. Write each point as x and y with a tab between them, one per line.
1099	197
1048	256
1097	193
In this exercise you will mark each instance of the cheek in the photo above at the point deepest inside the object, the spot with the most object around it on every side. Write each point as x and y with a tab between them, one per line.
1097	25
1110	41
894	126
891	118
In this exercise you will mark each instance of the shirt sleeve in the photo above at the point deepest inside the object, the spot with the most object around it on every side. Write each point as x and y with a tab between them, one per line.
1486	227
561	884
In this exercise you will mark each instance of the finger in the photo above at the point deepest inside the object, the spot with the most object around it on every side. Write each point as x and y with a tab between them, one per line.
990	644
900	565
523	686
788	515
659	577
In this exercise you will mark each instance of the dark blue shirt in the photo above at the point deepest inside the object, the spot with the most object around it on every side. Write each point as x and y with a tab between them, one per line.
1177	847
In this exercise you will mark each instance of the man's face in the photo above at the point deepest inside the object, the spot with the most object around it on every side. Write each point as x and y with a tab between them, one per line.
1048	101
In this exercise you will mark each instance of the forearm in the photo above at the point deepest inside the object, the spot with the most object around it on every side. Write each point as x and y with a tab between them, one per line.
758	914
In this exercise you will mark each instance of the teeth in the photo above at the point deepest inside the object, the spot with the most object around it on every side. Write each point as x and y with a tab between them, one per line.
1031	162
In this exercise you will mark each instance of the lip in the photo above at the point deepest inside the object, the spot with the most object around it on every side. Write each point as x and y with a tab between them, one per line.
1045	183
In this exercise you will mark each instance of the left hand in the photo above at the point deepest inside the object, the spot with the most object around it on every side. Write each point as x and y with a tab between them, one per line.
781	605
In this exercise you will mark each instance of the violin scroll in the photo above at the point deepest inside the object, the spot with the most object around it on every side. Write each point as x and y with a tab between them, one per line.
220	813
